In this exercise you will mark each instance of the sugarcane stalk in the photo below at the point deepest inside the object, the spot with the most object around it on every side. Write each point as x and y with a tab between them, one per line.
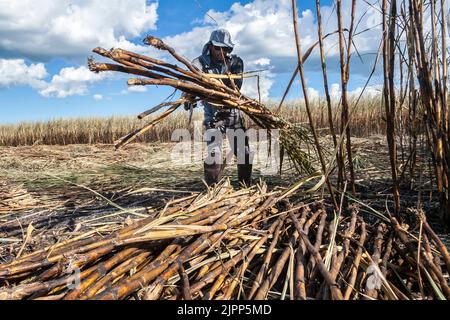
101	271
250	256
376	256
132	136
439	244
336	292
327	92
355	264
308	110
300	286
346	246
279	265
148	273
118	271
265	265
317	244
344	81
294	74
185	280
197	246
389	94
215	287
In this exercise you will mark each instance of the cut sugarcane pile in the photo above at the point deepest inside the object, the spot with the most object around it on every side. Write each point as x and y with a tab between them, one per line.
15	198
246	244
196	86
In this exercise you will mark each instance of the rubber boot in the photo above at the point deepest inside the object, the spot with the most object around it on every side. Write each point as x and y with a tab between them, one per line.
213	173
245	174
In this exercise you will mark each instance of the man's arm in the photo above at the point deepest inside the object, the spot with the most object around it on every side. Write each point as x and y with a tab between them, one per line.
237	67
196	63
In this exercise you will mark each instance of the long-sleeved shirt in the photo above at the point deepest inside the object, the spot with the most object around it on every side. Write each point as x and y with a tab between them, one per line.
235	65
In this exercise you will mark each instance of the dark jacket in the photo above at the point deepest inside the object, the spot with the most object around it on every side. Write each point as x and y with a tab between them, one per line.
232	118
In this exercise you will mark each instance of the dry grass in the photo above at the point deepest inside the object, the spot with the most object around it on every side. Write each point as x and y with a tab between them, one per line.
366	121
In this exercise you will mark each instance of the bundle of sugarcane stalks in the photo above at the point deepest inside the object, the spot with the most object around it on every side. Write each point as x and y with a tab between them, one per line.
245	244
198	86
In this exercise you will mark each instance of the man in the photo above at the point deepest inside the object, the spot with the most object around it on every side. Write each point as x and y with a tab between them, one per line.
216	58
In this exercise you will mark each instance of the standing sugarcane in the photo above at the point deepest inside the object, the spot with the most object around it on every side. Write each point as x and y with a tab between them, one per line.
389	94
340	161
445	105
308	110
345	73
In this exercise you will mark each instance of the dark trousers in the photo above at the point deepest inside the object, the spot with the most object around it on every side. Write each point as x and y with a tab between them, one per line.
239	144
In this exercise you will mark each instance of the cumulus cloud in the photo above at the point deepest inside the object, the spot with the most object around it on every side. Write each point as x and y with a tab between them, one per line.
40	30
15	72
335	91
68	82
98	97
71	81
263	33
250	86
313	94
370	91
137	89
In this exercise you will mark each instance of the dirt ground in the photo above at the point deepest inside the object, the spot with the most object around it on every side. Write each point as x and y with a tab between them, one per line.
62	191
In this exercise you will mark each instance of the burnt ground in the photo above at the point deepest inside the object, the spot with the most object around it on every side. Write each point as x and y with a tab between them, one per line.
65	191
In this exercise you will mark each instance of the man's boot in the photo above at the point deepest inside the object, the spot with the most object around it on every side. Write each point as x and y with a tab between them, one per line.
245	174
213	173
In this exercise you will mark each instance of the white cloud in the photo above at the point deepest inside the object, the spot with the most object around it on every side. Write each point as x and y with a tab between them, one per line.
133	89
335	91
15	72
137	89
370	91
98	97
262	62
313	94
250	85
266	79
71	81
263	33
44	29
265	27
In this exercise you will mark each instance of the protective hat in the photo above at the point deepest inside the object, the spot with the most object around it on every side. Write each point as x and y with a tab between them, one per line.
221	38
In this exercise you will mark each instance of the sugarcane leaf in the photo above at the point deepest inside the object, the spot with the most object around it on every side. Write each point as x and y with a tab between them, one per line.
433	284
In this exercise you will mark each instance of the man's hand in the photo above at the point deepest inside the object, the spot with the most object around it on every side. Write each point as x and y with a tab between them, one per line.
221	115
189	105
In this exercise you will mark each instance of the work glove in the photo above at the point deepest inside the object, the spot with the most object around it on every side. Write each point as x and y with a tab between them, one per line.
189	105
221	115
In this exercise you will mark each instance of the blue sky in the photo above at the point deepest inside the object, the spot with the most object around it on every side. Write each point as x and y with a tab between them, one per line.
44	47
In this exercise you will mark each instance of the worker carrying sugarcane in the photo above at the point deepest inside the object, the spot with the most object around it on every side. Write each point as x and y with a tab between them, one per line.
219	122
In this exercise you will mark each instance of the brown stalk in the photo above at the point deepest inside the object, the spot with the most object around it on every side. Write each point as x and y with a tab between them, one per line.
335	291
344	81
356	262
265	265
249	258
389	94
185	280
308	110
327	92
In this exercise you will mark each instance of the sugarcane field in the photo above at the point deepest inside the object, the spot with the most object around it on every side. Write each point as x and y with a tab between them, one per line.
224	150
